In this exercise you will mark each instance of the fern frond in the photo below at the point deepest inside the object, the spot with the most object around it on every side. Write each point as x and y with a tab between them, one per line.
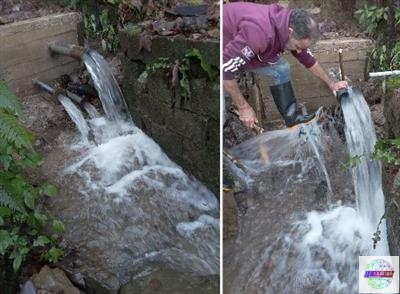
13	132
7	201
8	100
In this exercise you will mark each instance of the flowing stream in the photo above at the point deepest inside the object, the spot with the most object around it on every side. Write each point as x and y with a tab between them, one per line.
126	205
295	235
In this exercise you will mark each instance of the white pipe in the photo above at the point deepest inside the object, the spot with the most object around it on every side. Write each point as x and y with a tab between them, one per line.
384	73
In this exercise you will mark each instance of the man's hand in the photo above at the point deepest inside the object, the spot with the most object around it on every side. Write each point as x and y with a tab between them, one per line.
337	86
319	72
247	115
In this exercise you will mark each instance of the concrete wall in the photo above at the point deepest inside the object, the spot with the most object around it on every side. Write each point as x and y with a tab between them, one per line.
309	89
187	130
24	54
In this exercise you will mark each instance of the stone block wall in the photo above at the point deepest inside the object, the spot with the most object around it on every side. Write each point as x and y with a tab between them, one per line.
309	89
186	129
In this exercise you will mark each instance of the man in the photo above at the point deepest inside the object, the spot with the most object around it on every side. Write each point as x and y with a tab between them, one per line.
254	38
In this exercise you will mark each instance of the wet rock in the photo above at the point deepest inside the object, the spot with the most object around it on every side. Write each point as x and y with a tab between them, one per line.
214	33
213	12
191	10
116	67
95	286
193	24
379	119
28	288
392	114
230	215
167	281
53	281
321	191
5	20
164	28
392	193
314	11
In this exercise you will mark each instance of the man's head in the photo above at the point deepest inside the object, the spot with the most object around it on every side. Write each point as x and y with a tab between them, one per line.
303	30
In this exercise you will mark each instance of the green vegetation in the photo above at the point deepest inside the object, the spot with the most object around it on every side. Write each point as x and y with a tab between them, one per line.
102	18
377	235
379	25
382	24
352	162
388	150
25	229
180	70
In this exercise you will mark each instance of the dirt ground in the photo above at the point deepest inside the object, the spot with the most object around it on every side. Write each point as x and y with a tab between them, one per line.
18	10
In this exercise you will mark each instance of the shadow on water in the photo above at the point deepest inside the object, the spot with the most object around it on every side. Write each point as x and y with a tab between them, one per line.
294	235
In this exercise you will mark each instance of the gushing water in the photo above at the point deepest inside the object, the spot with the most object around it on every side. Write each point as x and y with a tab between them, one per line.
287	241
76	116
311	137
130	206
367	174
107	87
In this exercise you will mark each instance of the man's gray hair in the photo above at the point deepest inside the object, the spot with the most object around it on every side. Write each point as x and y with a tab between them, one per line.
303	25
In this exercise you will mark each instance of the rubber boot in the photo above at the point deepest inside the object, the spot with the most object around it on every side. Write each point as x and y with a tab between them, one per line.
286	102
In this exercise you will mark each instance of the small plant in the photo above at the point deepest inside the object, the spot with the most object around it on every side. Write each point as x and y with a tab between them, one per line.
375	21
377	235
23	225
103	23
372	17
352	162
211	71
388	151
180	70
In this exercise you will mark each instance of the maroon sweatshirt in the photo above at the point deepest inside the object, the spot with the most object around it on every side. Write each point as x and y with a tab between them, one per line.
254	36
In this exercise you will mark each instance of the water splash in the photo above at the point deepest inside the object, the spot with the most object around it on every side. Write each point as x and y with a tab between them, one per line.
129	205
312	135
284	245
297	145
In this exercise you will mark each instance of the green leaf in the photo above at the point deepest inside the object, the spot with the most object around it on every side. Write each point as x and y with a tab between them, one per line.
5	211
7	201
5	241
40	218
6	161
29	200
103	45
17	262
32	160
58	226
207	67
48	190
8	100
54	254
33	232
13	132
41	241
24	251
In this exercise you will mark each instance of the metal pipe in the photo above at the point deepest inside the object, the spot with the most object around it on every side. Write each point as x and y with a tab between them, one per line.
341	64
62	93
51	90
44	86
69	50
384	73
